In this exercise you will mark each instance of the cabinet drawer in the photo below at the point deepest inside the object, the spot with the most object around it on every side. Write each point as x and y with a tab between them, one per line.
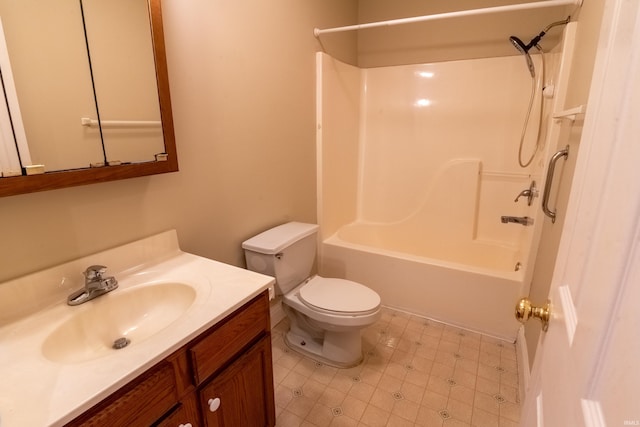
141	402
227	339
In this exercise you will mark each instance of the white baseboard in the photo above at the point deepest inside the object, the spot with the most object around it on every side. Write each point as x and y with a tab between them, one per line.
524	374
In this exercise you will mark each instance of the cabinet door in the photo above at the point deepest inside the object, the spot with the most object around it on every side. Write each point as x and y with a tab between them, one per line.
186	414
242	395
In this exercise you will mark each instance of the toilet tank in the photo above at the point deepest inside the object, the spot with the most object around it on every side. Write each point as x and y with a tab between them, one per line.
286	252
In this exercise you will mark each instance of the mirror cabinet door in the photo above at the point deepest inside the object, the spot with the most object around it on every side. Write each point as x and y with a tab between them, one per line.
92	92
120	49
48	57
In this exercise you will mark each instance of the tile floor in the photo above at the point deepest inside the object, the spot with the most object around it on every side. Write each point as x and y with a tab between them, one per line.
416	372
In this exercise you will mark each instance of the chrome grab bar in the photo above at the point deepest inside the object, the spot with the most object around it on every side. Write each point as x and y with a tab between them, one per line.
547	185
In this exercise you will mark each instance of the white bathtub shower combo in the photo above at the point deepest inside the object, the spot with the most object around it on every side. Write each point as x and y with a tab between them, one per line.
417	164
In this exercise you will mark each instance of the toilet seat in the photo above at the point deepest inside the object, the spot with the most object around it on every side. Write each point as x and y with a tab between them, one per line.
338	296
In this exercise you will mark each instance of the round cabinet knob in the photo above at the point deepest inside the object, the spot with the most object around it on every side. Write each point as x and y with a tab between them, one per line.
185	425
214	404
525	310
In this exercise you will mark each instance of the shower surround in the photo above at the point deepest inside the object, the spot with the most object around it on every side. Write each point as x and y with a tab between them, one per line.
416	166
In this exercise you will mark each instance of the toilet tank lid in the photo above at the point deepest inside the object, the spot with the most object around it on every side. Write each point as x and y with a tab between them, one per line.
276	239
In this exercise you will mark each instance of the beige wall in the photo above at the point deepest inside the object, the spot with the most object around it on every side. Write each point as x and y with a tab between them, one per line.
242	82
589	21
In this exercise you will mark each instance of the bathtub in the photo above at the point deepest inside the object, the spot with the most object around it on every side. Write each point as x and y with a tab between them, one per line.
410	195
472	286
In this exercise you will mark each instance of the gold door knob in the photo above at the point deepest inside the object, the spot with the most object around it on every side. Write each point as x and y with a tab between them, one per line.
525	310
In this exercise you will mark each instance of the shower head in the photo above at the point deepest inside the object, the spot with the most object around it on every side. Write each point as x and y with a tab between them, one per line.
520	46
524	48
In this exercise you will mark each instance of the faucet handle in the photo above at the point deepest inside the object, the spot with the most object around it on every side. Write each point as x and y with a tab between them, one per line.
94	272
529	193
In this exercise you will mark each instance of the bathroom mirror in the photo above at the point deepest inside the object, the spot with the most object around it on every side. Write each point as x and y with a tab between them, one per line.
115	97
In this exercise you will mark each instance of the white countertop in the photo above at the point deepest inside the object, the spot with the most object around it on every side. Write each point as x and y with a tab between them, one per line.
35	391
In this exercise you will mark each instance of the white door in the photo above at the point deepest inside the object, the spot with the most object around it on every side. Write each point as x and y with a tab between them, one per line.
586	370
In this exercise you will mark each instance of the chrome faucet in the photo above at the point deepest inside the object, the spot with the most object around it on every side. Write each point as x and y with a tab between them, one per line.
529	193
95	284
522	220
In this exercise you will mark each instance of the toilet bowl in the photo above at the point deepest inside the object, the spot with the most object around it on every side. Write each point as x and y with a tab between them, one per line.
326	315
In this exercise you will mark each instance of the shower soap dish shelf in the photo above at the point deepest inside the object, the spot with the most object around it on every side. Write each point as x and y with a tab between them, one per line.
570	114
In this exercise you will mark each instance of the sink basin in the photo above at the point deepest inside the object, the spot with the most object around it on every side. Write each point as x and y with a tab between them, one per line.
127	316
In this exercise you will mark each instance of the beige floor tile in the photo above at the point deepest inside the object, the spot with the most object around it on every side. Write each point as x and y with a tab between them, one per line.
320	415
463	394
510	411
331	397
420	379
280	373
464	378
374	417
353	407
370	376
487	386
294	380
486	403
362	391
313	389
389	383
344	421
412	392
467	364
481	418
460	411
439	385
341	382
415	372
288	419
300	406
382	399
283	395
508	423
435	401
406	409
442	371
428	417
397	421
453	422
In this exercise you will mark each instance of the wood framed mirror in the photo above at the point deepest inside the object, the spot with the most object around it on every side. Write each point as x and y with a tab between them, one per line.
167	162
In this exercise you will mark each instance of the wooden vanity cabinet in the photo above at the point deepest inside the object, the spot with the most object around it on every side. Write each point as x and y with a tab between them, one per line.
224	377
240	395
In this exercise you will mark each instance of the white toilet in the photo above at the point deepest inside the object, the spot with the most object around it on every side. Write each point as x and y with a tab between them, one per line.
326	315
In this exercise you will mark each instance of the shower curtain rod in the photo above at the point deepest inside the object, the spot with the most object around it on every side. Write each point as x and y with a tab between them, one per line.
497	9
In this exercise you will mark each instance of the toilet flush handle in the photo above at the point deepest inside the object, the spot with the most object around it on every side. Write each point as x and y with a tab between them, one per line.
279	255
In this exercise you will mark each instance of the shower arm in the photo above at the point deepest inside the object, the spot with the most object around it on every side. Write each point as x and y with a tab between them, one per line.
534	41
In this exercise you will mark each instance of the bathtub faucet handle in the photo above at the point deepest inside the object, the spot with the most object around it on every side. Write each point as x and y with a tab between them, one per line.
529	193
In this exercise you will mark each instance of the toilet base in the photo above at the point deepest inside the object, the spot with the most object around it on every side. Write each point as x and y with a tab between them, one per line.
338	349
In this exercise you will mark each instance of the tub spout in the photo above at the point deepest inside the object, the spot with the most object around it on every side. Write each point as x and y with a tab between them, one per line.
522	220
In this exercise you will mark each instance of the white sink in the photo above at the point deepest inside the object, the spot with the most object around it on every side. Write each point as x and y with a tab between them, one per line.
134	314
